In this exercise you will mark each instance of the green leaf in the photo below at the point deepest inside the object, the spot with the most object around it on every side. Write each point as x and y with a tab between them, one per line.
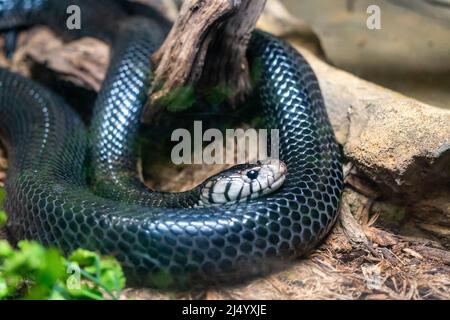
112	276
36	272
56	295
5	249
31	256
53	269
86	292
105	272
83	257
3	288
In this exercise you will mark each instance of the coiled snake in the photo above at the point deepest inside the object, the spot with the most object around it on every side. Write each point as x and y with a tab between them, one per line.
154	235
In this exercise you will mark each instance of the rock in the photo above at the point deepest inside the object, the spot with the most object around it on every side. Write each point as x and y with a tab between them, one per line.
400	143
432	216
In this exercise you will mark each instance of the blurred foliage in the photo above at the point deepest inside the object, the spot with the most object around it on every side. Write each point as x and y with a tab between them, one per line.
32	271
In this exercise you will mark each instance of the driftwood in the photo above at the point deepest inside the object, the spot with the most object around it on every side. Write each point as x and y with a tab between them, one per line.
178	59
206	48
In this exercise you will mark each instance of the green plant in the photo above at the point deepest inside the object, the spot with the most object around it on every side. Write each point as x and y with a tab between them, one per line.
33	271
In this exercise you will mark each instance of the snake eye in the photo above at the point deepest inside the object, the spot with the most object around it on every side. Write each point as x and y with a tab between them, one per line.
252	174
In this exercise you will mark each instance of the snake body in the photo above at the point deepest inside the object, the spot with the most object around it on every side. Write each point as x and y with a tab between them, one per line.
49	200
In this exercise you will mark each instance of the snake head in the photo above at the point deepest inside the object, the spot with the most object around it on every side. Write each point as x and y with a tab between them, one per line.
243	183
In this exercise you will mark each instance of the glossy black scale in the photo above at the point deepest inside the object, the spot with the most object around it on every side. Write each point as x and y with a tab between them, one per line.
48	198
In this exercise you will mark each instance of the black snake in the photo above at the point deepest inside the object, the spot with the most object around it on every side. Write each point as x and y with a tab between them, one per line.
156	239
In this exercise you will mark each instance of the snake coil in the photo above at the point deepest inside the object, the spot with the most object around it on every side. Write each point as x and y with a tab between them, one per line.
48	198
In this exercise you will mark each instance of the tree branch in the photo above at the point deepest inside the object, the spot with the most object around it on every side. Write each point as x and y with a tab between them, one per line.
182	54
226	63
206	48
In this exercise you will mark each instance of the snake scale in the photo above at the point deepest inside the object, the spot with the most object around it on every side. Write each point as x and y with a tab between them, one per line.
49	199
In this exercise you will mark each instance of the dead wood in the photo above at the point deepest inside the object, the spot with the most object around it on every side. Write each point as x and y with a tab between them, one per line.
206	47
